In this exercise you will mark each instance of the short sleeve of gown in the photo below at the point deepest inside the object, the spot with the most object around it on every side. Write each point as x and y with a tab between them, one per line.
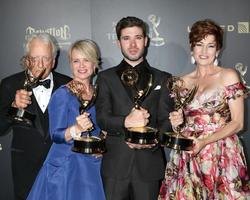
235	90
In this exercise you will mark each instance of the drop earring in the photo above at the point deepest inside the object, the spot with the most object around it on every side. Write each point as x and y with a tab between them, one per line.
192	59
216	61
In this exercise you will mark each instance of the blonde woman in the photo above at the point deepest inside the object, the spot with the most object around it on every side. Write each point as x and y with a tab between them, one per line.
67	175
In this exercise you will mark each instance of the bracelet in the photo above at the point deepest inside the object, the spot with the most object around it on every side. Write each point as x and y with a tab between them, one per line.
73	133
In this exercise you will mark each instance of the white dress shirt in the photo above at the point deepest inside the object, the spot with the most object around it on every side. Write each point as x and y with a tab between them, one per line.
43	94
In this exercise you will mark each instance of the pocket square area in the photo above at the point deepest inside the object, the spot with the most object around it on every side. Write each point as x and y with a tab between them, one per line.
157	87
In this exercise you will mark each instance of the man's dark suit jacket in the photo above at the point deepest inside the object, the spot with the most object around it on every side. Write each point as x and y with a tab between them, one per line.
29	144
113	104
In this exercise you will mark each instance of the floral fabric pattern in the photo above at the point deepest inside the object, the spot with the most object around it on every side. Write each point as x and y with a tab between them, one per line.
219	171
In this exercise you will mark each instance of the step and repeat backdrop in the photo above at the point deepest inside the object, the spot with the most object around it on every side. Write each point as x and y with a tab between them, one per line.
169	24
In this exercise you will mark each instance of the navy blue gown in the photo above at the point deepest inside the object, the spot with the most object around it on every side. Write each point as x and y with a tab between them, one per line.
67	175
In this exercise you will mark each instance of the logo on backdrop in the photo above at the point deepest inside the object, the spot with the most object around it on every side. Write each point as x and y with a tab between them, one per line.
62	33
155	38
243	27
242	69
112	35
239	27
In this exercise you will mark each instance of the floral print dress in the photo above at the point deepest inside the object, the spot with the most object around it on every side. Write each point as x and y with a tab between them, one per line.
218	171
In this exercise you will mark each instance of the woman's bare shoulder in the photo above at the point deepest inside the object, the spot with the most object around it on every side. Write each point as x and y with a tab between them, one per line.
229	76
189	79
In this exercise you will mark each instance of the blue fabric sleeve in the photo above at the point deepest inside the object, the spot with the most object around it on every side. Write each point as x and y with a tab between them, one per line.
58	114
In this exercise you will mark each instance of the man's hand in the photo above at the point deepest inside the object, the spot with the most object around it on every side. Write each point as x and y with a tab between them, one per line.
137	118
22	99
140	146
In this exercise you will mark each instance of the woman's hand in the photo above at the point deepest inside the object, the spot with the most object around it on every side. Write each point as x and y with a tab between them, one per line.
176	118
83	123
198	145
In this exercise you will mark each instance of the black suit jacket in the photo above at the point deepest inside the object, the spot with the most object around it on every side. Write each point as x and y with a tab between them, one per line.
29	144
113	104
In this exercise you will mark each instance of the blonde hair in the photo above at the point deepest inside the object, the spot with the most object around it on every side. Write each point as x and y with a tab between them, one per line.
87	47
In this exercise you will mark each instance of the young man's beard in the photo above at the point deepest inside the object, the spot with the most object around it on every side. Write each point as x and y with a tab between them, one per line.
128	57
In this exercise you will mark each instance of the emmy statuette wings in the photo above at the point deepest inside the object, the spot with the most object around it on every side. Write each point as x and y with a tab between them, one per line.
176	140
138	135
20	115
86	143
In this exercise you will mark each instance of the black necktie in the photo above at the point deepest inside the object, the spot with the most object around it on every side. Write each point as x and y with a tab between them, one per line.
45	83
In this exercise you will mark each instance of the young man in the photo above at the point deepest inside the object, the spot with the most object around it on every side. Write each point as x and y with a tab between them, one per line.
30	144
132	171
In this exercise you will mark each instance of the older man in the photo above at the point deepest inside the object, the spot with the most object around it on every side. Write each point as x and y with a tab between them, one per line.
30	143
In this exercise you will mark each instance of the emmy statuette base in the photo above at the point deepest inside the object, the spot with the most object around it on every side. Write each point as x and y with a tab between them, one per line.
89	145
141	135
176	141
21	116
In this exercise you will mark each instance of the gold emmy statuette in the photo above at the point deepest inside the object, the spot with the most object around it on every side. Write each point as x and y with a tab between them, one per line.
18	114
88	144
138	135
176	140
